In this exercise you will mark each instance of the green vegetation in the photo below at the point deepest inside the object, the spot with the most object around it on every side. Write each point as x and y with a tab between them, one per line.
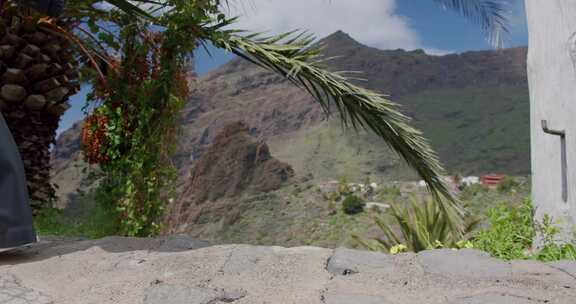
507	185
139	132
475	130
508	232
512	230
352	204
422	226
388	193
327	151
284	219
477	199
94	222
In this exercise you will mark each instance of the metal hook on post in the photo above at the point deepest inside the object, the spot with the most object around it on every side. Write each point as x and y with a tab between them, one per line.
564	165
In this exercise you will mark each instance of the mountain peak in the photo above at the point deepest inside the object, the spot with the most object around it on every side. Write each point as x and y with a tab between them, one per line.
339	38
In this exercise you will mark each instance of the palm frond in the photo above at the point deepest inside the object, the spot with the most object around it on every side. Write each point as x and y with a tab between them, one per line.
129	8
134	8
358	107
489	14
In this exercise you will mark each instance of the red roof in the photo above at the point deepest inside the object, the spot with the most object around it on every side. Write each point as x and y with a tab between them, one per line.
492	179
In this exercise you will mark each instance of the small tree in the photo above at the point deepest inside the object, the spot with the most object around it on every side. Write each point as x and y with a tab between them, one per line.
352	204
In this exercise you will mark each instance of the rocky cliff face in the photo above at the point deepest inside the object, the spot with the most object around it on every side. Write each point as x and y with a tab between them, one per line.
234	164
68	166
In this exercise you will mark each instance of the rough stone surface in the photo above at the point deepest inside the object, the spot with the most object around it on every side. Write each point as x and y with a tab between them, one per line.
347	261
12	292
354	299
457	263
498	298
181	270
182	243
178	294
161	293
566	267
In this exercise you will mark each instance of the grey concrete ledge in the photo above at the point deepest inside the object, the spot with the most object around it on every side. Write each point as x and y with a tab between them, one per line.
181	270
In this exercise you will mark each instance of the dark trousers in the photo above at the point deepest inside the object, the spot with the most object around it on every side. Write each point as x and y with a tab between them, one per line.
15	213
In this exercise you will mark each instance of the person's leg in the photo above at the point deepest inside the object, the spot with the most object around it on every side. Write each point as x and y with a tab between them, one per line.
15	213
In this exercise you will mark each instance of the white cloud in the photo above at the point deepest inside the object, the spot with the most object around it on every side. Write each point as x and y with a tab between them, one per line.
371	22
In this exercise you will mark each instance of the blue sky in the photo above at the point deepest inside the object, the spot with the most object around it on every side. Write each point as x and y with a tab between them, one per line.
384	24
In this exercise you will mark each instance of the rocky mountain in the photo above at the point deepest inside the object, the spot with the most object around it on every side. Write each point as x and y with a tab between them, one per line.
233	165
472	106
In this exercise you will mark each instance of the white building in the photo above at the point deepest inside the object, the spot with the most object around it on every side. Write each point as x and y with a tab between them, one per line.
470	180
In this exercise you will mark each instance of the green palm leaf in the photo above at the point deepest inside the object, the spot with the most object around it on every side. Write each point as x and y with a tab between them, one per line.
129	8
83	8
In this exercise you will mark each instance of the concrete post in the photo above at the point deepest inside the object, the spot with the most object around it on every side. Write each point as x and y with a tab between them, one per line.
552	82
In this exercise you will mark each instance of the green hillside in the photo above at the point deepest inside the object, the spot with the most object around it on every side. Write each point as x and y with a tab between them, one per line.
476	130
327	151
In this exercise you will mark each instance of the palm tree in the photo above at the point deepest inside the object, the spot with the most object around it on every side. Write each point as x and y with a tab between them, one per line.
294	56
39	68
39	74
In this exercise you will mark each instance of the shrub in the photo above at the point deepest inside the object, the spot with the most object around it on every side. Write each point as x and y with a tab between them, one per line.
510	233
512	230
331	196
552	249
507	184
343	186
96	221
332	210
422	226
469	192
389	192
352	205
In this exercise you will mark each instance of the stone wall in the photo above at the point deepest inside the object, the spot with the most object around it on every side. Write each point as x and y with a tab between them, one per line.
181	270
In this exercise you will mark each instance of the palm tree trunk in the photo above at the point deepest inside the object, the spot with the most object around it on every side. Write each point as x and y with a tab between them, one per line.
38	73
33	133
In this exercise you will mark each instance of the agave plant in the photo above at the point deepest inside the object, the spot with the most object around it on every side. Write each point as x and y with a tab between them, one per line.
422	226
294	56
